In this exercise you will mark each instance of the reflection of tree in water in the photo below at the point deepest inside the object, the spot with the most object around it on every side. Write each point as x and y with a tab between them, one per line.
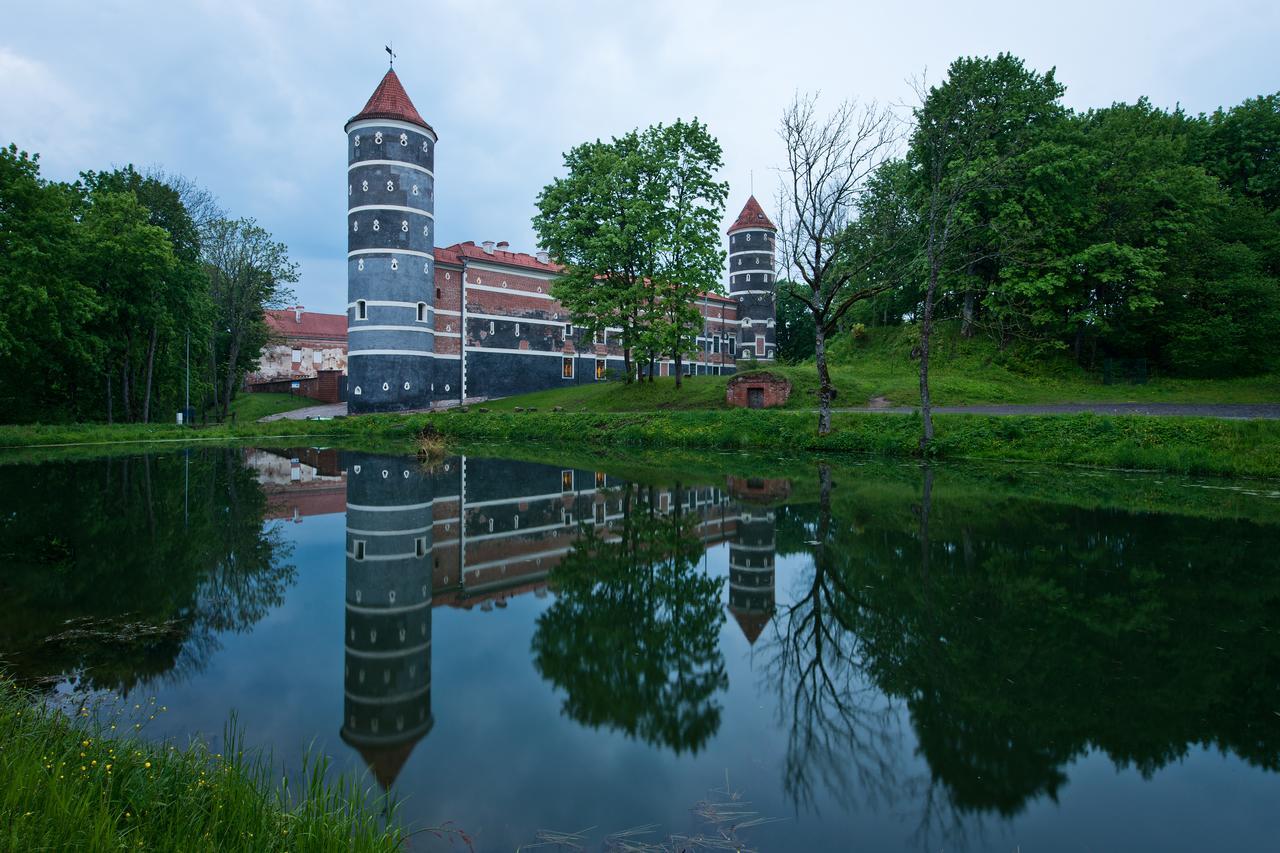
633	635
127	568
842	735
1020	634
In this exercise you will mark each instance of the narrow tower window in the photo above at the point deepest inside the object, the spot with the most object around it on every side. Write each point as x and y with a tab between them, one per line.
422	312
362	312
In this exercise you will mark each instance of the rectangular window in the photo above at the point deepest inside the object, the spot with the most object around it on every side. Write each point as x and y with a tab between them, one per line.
599	479
316	358
759	345
602	337
422	312
566	368
732	344
420	546
438	294
599	369
297	356
566	481
715	344
357	549
362	312
568	330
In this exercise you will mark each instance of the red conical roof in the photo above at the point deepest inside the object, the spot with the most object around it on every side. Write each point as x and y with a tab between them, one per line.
752	624
752	216
391	101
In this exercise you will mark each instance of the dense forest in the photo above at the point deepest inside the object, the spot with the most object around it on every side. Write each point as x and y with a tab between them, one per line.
1126	231
106	283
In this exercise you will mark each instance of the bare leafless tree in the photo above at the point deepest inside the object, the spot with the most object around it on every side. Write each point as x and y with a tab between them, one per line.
829	162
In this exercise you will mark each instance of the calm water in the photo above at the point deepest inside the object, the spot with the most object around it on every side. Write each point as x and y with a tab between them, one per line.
879	657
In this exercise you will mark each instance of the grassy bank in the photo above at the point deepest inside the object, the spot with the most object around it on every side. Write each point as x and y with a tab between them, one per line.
70	785
964	371
1180	445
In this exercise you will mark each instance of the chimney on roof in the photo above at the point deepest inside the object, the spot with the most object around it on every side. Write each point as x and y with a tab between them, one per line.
504	246
297	313
544	257
487	245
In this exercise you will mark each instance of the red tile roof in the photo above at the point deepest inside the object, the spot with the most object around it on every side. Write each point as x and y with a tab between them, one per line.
752	624
752	216
329	327
514	259
391	101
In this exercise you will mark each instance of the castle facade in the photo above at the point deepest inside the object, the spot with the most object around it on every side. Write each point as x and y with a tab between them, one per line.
433	326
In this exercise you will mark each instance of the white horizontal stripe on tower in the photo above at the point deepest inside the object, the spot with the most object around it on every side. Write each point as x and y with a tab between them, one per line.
752	293
355	252
400	508
388	611
390	653
414	166
421	329
751	252
390	122
446	312
383	558
399	208
448	334
388	303
409	532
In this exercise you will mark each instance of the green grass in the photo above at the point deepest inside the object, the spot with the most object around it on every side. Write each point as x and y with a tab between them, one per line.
963	372
73	784
250	407
1179	445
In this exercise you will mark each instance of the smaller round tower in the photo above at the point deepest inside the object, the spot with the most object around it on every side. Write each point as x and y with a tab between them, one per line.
752	281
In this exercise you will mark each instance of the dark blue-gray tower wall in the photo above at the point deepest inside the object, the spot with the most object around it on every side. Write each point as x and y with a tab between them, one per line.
752	284
751	562
387	681
390	266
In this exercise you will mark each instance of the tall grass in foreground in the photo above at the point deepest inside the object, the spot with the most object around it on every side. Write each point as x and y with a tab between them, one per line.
70	783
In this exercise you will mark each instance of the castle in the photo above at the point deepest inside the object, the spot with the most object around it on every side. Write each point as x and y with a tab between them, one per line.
433	326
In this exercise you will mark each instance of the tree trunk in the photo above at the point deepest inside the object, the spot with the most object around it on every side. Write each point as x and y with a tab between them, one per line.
926	333
151	361
825	390
213	374
626	364
966	324
677	360
233	352
127	409
110	398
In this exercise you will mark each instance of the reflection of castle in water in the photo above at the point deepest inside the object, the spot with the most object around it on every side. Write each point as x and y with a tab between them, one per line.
473	533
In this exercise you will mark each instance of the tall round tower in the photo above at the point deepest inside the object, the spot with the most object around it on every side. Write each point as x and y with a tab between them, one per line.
390	262
751	281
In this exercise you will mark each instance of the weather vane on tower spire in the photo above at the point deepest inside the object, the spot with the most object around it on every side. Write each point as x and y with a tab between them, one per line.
391	53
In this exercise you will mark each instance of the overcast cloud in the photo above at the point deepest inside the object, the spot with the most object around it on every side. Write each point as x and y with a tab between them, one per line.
249	98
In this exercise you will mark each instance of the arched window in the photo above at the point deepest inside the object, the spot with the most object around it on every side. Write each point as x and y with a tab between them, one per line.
422	312
362	311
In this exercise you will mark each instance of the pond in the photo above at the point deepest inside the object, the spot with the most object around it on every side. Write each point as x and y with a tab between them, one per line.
795	655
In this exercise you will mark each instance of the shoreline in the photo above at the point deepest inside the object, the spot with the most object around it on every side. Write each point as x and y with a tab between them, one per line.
1197	446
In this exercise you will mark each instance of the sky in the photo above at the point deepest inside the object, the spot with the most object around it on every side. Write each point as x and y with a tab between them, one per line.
250	98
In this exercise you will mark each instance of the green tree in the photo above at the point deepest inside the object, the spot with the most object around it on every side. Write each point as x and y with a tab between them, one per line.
601	221
48	346
689	260
248	273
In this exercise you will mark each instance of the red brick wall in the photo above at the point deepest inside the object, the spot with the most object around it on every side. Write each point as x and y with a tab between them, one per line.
775	389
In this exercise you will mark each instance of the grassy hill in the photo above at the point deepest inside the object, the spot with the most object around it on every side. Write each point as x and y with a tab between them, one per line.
963	372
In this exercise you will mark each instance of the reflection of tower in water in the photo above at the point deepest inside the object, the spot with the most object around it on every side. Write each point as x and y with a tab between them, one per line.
387	707
751	556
